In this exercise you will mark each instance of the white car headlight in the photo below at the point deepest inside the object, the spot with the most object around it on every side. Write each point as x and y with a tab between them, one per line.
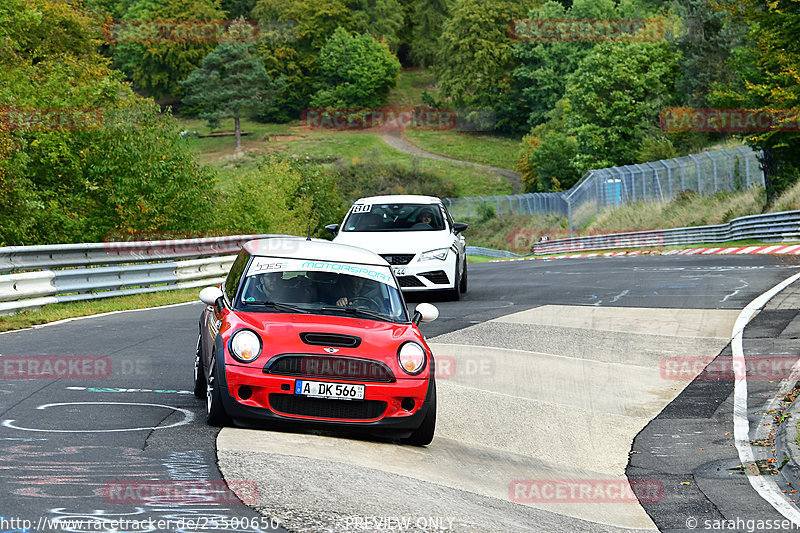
411	357
245	346
440	254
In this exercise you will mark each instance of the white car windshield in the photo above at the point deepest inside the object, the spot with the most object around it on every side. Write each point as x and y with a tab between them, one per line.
394	217
371	293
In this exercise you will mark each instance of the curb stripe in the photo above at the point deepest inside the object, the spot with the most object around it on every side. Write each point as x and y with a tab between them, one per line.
769	249
749	250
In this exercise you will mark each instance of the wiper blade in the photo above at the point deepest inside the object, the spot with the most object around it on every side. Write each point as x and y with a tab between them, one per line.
280	307
355	311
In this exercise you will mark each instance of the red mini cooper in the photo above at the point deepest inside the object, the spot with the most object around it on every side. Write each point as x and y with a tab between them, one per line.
312	332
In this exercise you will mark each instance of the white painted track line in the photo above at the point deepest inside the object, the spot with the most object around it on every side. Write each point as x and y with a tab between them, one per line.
767	489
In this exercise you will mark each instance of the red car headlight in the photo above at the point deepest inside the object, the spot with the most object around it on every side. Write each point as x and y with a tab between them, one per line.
245	346
411	357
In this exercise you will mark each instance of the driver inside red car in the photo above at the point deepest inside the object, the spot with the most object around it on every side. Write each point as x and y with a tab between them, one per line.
356	289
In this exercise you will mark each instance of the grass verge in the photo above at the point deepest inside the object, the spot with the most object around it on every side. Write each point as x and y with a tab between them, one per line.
410	84
326	147
479	258
492	150
54	312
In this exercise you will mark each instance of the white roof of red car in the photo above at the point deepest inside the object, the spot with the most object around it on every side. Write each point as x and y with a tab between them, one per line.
315	250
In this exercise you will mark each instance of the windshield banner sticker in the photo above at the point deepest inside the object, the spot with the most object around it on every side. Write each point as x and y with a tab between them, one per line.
261	265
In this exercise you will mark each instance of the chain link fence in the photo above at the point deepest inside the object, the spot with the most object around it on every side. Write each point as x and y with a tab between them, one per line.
706	173
540	203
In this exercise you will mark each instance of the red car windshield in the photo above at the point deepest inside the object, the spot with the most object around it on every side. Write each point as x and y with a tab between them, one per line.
322	292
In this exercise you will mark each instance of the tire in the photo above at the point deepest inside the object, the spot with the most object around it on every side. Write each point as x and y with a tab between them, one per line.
454	294
463	285
423	435
199	372
215	412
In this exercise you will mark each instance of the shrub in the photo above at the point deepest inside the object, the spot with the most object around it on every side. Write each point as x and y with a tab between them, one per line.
370	179
354	71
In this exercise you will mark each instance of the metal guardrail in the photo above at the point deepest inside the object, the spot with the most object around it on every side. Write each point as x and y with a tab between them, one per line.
772	227
17	258
539	203
91	271
490	252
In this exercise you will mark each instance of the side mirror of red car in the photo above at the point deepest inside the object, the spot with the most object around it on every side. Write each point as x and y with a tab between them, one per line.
210	295
425	313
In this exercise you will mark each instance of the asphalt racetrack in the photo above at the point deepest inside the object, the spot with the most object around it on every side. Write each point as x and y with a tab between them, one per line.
553	372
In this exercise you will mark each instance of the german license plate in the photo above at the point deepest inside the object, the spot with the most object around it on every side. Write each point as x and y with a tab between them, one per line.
336	391
399	270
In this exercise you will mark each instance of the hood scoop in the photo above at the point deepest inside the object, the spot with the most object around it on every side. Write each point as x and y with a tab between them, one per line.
330	339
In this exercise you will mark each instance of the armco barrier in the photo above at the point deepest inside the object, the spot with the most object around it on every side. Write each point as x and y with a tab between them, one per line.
772	227
490	252
88	271
16	258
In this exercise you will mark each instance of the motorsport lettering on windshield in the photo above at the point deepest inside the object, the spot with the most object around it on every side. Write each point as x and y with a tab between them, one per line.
336	267
262	265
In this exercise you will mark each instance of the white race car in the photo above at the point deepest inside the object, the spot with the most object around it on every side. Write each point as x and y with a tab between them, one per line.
416	235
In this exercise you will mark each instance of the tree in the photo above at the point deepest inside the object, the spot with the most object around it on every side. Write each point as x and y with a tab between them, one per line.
475	59
354	71
544	66
238	8
311	22
616	94
383	19
427	20
157	67
768	80
547	155
124	169
710	38
231	83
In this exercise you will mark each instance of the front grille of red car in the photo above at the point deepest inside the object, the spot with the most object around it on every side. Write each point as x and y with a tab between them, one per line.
291	404
329	367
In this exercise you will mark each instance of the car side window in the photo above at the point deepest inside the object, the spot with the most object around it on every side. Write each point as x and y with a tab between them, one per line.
232	281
